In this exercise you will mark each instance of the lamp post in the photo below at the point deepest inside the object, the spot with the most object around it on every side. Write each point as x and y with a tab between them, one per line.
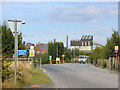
13	24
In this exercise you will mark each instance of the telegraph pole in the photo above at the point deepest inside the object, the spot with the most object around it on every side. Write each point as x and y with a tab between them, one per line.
57	49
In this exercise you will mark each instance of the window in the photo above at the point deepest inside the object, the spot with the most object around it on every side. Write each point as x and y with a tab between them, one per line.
82	43
85	43
88	43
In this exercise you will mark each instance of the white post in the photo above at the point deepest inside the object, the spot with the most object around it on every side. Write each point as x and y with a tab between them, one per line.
16	47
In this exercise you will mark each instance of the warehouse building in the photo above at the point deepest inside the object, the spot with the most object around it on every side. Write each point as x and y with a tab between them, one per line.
85	44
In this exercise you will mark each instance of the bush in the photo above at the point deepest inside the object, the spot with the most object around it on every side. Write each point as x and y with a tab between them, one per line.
23	74
45	59
104	64
67	61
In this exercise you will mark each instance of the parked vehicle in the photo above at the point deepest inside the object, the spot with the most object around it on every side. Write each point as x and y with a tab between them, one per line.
82	59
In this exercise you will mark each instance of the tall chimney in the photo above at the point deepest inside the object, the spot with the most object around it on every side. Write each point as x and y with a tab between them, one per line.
54	40
67	41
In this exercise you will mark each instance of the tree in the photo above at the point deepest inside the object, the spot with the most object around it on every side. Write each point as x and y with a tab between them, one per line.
45	59
111	43
52	49
68	55
108	50
8	41
21	44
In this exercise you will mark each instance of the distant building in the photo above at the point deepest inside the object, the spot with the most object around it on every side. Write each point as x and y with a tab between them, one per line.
41	48
29	44
85	44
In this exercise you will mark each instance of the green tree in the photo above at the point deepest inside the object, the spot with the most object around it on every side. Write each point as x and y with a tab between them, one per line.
21	44
68	55
8	41
108	50
45	59
111	43
52	49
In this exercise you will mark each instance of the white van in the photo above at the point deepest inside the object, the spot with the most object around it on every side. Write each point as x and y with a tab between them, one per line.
82	59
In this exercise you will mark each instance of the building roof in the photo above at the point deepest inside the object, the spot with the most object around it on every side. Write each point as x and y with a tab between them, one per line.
87	37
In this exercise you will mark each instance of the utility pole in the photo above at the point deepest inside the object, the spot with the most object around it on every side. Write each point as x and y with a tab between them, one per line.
57	49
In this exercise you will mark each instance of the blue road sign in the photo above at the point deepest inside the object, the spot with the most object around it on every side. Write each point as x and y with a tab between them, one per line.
22	52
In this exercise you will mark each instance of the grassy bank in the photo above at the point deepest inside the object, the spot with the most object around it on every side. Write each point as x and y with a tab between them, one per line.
39	76
26	75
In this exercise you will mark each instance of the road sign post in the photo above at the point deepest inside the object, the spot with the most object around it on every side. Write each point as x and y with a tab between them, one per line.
40	62
57	60
50	58
116	50
63	57
31	51
14	28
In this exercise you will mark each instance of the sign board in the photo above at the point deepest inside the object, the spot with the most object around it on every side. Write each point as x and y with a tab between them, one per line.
63	56
31	53
50	57
22	52
57	59
31	47
12	25
116	48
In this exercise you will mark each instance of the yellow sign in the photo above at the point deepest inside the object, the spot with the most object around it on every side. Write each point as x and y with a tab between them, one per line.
31	47
116	48
57	59
32	53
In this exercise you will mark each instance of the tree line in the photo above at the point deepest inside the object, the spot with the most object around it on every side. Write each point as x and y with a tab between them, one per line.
108	50
8	41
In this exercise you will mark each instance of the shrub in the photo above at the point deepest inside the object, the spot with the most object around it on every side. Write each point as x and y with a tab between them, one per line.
23	74
104	64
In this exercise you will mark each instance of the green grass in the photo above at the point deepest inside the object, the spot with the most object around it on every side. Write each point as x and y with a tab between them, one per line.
39	76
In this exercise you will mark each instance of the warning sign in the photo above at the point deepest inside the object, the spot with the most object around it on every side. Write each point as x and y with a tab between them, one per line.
116	48
32	53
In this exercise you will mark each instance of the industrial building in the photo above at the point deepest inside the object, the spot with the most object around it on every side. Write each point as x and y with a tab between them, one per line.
41	48
85	44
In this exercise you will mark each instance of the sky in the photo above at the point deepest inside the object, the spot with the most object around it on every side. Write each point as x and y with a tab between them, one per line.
46	21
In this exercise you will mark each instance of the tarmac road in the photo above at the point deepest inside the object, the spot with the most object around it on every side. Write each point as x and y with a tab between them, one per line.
75	75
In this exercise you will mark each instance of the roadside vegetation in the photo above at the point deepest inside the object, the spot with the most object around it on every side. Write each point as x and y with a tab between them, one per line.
106	51
26	75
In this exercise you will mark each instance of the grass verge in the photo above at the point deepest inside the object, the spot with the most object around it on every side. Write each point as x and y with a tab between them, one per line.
39	76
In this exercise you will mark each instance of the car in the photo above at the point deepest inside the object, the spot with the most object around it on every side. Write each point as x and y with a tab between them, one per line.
82	59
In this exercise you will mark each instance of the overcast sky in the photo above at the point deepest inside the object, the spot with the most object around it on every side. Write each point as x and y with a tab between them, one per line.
46	21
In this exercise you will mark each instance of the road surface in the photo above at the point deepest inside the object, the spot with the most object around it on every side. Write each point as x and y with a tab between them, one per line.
75	75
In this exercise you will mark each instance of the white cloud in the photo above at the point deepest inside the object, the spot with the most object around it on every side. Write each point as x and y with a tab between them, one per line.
90	14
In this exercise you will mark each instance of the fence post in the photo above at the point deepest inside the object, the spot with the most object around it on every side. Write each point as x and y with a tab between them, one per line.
113	63
107	63
110	63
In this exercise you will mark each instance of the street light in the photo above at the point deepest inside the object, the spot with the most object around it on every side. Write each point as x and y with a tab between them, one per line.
14	26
